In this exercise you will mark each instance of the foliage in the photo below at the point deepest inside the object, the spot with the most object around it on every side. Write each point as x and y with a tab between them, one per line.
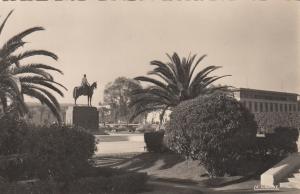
33	79
60	153
112	182
154	141
40	187
117	95
275	146
128	182
12	132
175	83
214	129
269	121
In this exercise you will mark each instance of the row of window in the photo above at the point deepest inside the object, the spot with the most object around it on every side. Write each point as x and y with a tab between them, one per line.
270	107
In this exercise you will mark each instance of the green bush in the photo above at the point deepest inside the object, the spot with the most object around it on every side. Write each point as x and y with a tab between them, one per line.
269	121
116	182
275	146
12	132
61	153
40	187
154	141
216	130
126	182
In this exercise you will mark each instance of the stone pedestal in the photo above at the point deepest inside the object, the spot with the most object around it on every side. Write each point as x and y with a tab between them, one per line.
86	117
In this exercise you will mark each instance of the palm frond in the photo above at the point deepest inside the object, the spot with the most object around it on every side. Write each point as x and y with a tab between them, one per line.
5	20
44	100
31	70
31	53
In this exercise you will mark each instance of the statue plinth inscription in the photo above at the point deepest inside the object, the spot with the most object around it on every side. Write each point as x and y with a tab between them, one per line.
86	117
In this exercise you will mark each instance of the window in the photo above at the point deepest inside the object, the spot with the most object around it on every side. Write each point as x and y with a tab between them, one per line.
294	107
281	107
285	107
250	106
290	107
261	107
271	107
255	107
276	107
266	107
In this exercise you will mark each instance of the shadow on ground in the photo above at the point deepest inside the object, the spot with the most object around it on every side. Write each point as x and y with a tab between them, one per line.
139	162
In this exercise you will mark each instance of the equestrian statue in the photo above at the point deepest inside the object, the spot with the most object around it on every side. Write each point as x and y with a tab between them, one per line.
84	90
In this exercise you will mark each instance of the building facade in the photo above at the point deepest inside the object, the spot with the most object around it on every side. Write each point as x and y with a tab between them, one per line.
268	101
271	109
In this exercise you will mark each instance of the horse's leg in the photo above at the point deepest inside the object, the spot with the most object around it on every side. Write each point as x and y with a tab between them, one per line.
91	100
88	98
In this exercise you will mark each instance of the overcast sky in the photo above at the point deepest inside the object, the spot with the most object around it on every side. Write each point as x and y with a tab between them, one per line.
256	42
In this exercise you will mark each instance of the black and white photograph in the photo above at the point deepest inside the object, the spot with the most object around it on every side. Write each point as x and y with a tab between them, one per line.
149	96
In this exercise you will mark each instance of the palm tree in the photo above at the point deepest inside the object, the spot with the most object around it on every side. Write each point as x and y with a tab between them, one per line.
18	79
176	83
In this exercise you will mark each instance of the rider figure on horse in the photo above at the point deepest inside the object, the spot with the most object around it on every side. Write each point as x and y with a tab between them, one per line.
84	83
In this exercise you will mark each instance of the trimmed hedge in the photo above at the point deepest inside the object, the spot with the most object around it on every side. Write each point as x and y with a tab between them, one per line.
59	153
216	130
154	141
12	132
119	182
129	182
275	146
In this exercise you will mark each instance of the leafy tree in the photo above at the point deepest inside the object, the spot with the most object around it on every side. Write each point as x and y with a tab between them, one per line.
117	95
18	79
176	83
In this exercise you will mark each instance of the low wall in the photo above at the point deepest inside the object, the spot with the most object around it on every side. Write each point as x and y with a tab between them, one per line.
281	170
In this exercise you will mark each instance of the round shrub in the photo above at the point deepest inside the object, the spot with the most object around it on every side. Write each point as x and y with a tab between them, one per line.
154	141
215	129
60	153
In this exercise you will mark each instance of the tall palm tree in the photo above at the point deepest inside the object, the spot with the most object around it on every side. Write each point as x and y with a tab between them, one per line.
18	79
176	83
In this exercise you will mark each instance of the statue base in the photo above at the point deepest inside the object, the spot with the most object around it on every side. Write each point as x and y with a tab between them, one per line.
86	117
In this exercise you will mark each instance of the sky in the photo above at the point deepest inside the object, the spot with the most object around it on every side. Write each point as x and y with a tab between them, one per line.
257	42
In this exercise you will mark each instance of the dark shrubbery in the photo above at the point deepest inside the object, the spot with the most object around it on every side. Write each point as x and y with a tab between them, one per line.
61	153
58	159
12	132
216	130
154	141
115	182
275	146
269	121
128	182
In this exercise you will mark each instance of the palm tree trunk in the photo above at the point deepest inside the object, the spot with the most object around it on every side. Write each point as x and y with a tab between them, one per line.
161	116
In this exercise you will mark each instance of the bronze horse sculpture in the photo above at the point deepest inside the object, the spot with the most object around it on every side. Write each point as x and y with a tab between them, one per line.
85	91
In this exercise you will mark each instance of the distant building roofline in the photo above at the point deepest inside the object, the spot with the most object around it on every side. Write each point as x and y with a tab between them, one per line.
269	91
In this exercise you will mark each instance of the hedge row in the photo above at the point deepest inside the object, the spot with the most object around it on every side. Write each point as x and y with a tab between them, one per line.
121	183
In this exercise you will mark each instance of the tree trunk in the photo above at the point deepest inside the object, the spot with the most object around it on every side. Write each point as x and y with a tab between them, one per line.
161	116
